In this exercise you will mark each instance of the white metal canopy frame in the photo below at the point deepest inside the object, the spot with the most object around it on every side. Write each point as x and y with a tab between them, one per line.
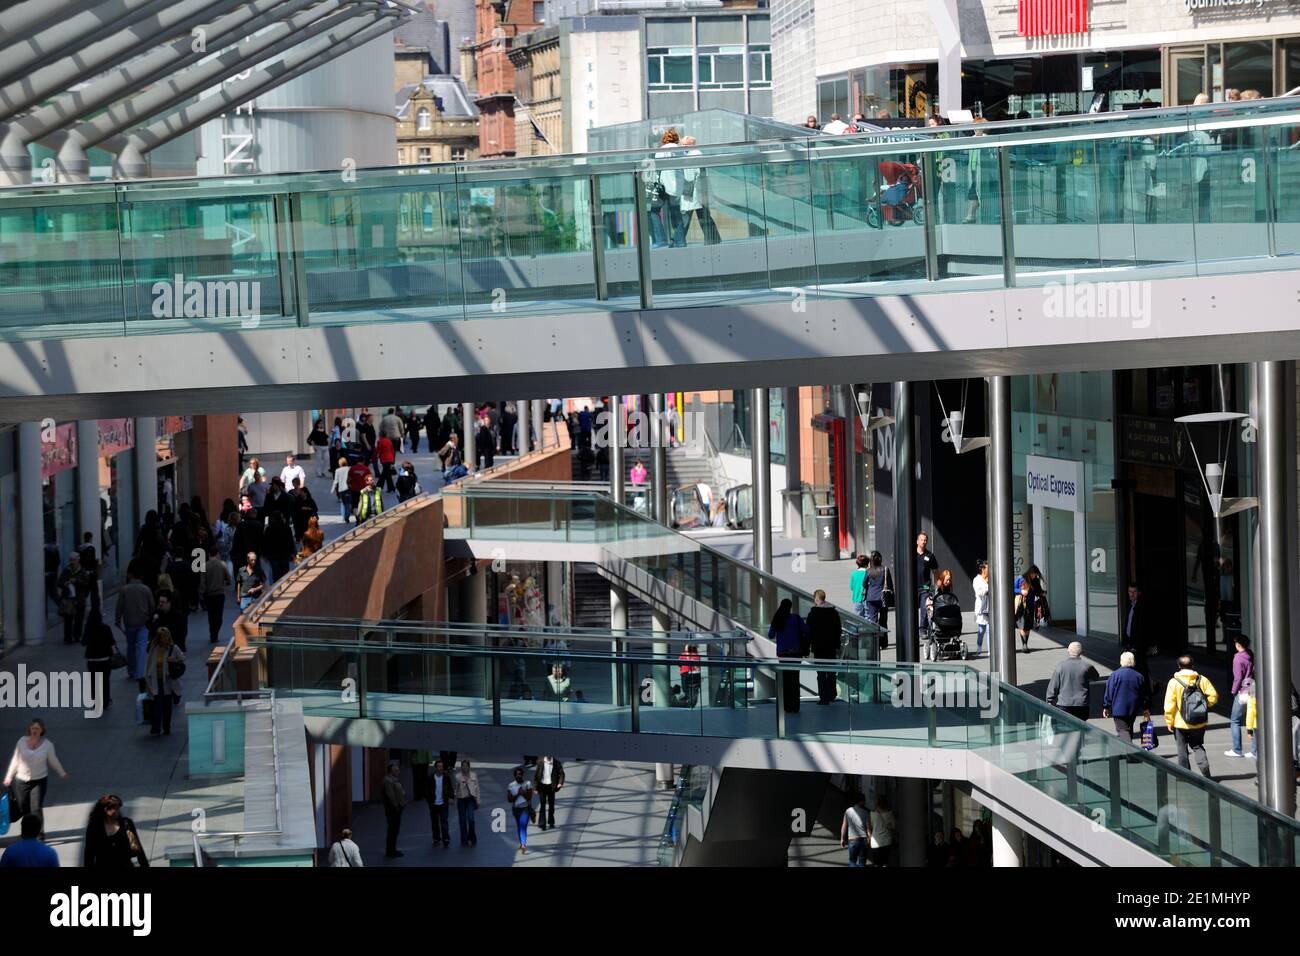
956	420
1213	473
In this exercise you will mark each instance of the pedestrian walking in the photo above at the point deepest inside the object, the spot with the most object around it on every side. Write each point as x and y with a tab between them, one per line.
980	583
112	841
76	586
467	797
1023	613
163	680
408	486
29	770
825	633
371	501
1188	699
881	827
547	782
853	831
858	587
1127	694
519	794
344	852
394	801
439	792
1071	682
386	454
212	584
927	566
342	489
135	605
313	538
249	582
1243	690
30	851
319	442
99	653
292	470
790	633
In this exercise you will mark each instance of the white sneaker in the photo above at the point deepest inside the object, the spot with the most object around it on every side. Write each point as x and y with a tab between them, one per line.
1232	753
1252	755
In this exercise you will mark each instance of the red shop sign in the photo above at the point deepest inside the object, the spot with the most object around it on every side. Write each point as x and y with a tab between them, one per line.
1044	18
60	454
115	435
175	423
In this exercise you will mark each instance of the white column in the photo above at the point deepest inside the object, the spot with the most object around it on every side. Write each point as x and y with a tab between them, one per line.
1080	573
618	626
1008	843
523	414
469	449
146	467
31	532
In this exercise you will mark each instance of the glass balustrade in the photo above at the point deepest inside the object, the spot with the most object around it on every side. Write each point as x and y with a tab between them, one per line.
1186	191
1173	813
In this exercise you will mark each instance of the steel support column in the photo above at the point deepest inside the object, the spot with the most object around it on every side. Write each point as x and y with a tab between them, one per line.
469	448
659	459
761	483
792	519
998	507
905	616
1276	455
617	439
31	532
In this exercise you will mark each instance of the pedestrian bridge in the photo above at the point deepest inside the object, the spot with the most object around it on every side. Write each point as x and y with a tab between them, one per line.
386	681
1067	244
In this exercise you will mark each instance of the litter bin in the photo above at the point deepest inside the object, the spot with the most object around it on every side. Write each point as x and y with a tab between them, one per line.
828	533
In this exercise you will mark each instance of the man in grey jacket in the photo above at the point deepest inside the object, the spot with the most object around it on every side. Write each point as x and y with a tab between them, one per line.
1069	686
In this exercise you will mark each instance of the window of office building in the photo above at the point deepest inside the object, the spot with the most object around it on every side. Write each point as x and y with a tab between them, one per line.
458	154
669	68
401	156
760	66
722	68
424	154
424	119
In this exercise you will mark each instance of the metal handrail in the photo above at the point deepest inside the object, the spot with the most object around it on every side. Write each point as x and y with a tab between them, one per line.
398	626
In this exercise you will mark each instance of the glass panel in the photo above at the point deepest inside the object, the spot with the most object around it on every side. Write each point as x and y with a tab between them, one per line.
968	235
1285	155
201	263
1228	168
523	251
382	254
59	264
1249	66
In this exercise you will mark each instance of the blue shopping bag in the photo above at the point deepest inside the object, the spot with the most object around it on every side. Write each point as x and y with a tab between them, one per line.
1149	739
4	814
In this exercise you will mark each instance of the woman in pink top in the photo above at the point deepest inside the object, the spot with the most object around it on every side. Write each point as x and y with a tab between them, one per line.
638	474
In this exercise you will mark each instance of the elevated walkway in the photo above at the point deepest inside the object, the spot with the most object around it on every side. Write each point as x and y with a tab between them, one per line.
409	283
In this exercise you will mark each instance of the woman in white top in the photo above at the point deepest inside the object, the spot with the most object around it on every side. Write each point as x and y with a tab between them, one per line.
695	198
341	490
520	795
880	833
30	766
981	585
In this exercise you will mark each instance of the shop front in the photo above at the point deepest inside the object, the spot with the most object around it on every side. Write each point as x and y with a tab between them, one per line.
117	511
172	461
1052	57
58	503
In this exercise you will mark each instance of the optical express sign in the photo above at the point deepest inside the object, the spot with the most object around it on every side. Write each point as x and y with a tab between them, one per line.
1054	483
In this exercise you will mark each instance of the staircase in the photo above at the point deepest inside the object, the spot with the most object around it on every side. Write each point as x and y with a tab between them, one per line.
686	466
591	601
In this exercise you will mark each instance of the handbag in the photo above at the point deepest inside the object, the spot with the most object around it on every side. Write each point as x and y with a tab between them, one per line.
887	592
5	817
117	659
175	669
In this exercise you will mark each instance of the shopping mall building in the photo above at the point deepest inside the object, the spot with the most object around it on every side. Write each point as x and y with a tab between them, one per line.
1032	55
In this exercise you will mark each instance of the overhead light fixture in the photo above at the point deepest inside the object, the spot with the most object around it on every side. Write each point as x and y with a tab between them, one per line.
1214	473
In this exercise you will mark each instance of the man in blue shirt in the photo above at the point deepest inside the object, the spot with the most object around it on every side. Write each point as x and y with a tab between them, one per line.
30	851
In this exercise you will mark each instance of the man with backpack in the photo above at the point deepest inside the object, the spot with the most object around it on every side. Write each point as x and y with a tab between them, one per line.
1188	700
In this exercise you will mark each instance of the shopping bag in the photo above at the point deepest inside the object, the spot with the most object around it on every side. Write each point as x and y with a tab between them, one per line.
1046	730
4	814
1252	713
143	708
1149	739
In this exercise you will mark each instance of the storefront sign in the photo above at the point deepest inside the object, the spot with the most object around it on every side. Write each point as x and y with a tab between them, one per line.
1044	18
1054	483
1151	441
175	423
115	435
60	454
1194	5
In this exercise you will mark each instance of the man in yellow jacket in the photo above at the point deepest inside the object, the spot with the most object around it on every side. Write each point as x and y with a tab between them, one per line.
370	501
1188	700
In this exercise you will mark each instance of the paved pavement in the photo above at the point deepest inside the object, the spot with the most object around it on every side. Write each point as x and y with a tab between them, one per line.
608	814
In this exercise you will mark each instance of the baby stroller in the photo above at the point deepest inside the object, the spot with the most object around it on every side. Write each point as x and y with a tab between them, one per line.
900	200
944	640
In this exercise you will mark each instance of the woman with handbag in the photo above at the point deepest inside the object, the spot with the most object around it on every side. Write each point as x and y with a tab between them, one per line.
520	795
1023	614
30	766
163	670
100	649
112	841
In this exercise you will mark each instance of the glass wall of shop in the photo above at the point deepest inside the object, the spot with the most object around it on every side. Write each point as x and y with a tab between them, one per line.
1269	65
173	476
1069	418
1193	567
59	514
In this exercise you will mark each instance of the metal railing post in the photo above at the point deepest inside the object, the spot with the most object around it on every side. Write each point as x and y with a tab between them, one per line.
643	239
780	699
1215	826
1007	204
494	682
597	238
930	203
298	251
1162	801
361	684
